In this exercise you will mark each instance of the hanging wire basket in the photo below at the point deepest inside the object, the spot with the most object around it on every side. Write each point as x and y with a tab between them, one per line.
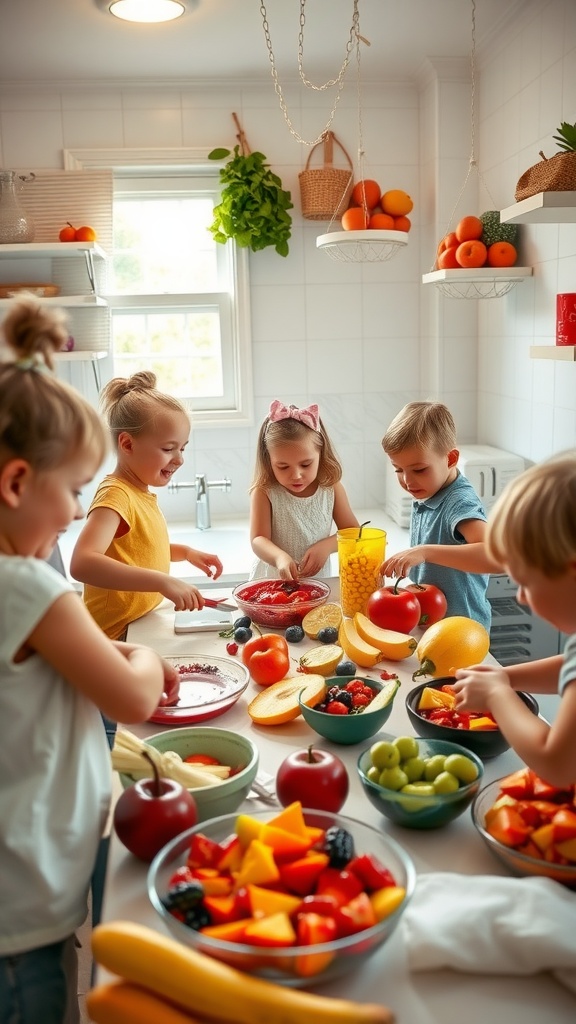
370	246
483	283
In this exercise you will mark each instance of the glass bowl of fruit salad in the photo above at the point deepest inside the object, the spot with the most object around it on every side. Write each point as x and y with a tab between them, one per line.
352	708
247	889
430	709
280	603
419	783
529	825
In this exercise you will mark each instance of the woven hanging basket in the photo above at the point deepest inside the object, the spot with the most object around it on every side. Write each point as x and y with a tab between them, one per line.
558	174
325	191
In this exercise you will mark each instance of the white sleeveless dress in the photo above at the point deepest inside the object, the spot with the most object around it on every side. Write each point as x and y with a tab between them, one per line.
296	524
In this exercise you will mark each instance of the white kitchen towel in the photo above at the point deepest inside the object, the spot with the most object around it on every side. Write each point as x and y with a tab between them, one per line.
485	924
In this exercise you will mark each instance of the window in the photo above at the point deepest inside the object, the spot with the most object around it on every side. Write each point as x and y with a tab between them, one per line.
178	300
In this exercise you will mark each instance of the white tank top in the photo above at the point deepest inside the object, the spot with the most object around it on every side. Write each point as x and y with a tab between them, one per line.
296	524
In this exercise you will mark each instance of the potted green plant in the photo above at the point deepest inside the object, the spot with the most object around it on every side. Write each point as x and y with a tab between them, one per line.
254	206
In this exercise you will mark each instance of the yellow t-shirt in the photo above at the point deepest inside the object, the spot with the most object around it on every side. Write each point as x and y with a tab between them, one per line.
145	544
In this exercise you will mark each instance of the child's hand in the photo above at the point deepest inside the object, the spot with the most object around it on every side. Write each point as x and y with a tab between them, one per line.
286	567
171	684
210	564
313	559
475	685
399	565
184	596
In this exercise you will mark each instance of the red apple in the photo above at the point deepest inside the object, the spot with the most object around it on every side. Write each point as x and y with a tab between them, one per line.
391	608
151	813
432	601
315	777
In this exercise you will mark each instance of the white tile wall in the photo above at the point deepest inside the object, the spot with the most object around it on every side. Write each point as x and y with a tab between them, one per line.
361	340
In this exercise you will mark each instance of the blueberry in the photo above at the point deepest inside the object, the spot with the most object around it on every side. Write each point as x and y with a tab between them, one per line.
346	668
294	634
328	635
242	635
244	621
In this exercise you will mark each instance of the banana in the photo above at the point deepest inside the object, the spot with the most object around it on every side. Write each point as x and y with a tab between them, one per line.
393	646
205	986
120	1002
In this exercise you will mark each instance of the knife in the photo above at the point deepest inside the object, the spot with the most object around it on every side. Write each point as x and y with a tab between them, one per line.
212	602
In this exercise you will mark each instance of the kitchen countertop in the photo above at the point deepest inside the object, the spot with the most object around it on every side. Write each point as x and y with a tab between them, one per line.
431	997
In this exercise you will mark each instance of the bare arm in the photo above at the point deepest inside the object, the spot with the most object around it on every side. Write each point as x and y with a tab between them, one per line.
548	749
343	516
209	564
469	557
261	537
90	564
536	676
125	681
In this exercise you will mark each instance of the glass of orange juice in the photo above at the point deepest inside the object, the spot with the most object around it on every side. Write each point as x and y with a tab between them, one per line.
361	551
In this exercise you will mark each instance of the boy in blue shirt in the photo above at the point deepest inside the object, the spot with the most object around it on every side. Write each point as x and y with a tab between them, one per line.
448	522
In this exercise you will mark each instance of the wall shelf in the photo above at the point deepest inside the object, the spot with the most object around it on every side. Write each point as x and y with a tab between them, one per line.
543	208
83	356
565	353
477	283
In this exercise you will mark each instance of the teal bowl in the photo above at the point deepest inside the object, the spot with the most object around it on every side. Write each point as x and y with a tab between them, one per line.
415	810
347	729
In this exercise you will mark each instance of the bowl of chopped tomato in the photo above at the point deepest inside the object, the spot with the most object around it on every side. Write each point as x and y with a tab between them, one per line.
430	708
280	603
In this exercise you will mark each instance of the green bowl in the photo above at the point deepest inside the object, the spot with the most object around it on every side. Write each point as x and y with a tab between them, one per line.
413	810
229	747
347	729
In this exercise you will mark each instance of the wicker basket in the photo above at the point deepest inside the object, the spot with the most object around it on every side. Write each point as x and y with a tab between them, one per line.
325	191
558	174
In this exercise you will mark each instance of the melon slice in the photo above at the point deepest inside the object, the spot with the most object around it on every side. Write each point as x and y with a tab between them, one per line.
278	703
394	646
357	649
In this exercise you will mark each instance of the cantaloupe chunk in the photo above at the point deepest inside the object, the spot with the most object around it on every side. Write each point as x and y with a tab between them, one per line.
278	703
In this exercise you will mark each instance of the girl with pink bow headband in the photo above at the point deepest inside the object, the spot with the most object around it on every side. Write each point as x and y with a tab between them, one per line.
297	497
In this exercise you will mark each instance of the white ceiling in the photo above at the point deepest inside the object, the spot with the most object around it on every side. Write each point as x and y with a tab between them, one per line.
78	40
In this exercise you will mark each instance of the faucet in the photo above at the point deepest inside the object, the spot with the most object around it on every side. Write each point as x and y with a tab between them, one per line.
202	489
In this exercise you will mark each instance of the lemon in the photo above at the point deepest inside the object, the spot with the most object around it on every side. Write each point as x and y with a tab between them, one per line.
321	659
320	618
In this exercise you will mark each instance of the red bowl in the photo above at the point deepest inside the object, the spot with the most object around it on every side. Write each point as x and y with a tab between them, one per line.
257	600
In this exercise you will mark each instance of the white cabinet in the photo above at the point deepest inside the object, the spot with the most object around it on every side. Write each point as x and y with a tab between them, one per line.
76	268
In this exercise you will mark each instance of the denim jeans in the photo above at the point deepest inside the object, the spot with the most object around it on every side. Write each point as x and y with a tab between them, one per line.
41	985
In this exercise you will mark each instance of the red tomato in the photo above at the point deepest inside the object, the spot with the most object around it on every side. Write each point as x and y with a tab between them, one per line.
432	601
201	759
267	659
391	608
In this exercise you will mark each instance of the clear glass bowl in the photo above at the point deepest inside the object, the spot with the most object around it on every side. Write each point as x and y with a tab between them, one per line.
279	616
209	686
282	965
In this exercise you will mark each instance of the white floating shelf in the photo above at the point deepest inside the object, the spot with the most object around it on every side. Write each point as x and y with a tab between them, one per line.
50	250
478	283
543	208
63	300
565	353
77	355
370	246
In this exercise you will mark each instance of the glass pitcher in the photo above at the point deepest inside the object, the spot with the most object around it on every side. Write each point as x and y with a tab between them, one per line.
361	552
15	224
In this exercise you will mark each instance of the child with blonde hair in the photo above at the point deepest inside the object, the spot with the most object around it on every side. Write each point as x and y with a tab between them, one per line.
58	671
532	533
296	496
123	553
448	522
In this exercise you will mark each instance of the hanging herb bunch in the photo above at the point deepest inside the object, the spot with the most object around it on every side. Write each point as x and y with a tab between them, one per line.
254	206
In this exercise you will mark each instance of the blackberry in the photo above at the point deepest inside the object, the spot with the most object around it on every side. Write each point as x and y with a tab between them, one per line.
339	845
242	634
184	896
332	691
344	697
244	621
346	668
328	635
294	634
198	917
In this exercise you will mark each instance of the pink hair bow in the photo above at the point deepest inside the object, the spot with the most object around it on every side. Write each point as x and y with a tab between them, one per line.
310	417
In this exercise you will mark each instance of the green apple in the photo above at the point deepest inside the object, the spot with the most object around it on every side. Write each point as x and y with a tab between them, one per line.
445	782
433	766
462	767
408	746
373	774
384	755
393	778
414	768
417	789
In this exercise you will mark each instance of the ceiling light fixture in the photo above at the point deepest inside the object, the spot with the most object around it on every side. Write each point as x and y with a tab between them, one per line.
147	11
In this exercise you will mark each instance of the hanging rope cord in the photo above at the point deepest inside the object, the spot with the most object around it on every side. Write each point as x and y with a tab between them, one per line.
338	81
472	163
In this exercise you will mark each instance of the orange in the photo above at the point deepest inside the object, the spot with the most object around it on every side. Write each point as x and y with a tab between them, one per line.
501	254
355	219
381	221
471	253
366	192
67	234
85	234
447	259
402	224
469	228
396	202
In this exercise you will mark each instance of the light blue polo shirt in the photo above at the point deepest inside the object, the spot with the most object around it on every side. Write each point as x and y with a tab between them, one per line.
435	521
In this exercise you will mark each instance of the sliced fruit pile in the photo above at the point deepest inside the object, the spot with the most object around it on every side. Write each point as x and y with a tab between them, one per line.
282	883
478	242
436	705
535	818
371	207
